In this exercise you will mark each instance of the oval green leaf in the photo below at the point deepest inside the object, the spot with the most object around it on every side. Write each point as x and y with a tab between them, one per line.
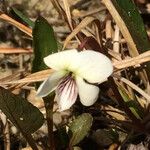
133	105
44	43
80	127
26	117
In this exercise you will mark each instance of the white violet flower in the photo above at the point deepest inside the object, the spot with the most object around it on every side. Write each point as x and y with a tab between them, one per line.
75	73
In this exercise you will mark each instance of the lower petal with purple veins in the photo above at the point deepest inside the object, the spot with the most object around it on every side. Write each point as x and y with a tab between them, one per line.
66	93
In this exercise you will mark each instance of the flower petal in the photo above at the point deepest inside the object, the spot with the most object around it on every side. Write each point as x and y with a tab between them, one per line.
66	93
61	60
88	93
50	83
94	66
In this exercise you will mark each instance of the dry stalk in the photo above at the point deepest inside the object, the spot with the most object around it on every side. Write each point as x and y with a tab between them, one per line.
42	75
17	24
58	7
82	25
134	87
7	136
114	112
108	29
35	77
9	50
126	34
14	76
116	56
87	33
5	131
68	14
92	12
135	61
124	30
116	40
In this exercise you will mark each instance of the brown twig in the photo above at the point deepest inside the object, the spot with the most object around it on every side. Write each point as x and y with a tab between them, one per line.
135	87
35	77
116	40
5	131
108	29
17	24
122	64
92	12
119	21
135	61
9	50
126	34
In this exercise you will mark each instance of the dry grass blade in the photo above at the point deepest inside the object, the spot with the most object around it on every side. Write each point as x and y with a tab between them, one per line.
67	10
126	34
57	7
135	87
115	55
6	132
9	50
95	11
142	58
14	76
82	25
42	75
35	77
87	33
108	29
20	26
114	112
116	40
124	30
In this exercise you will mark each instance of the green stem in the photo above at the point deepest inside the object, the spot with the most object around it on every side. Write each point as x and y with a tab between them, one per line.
30	140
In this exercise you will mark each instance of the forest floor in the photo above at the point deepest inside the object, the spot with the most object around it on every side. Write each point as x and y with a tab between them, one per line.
16	55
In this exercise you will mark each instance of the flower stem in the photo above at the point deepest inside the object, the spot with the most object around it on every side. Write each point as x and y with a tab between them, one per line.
48	102
30	140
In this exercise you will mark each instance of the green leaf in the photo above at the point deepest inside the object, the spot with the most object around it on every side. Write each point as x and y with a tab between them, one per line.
26	117
131	17
80	127
23	17
134	23
132	104
44	43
